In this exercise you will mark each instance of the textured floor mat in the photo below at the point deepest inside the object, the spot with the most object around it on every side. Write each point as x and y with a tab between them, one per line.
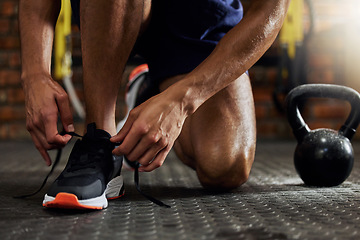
273	204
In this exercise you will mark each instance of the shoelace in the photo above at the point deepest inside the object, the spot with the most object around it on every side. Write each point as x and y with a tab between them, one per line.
57	160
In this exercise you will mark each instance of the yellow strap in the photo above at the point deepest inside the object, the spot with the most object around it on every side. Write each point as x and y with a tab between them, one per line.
292	32
62	45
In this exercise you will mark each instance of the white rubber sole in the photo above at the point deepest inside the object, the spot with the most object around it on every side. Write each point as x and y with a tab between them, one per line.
114	189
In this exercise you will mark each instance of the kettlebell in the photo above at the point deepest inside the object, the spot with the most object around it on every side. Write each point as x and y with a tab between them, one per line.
323	157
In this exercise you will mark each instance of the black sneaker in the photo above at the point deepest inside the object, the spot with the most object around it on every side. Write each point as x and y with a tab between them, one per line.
91	176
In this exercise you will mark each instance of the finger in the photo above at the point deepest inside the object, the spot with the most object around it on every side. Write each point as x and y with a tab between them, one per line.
151	153
127	145
119	137
66	117
158	161
131	140
51	132
41	138
46	157
41	150
148	142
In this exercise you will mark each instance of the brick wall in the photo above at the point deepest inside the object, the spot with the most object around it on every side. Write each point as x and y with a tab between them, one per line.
329	61
12	111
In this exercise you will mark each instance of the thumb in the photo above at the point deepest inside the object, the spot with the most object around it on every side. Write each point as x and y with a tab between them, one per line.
65	112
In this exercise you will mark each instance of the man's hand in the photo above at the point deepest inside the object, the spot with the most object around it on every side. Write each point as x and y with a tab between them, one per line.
151	130
44	99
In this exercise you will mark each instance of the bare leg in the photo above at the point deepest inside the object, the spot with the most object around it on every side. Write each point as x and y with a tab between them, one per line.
109	30
219	139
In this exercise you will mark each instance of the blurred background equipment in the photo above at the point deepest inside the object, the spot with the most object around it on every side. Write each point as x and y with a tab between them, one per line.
63	56
293	40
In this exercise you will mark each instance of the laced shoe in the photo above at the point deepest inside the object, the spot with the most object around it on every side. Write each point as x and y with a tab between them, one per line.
91	176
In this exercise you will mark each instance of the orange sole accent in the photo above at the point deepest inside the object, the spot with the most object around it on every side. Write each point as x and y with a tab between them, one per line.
68	201
112	198
137	70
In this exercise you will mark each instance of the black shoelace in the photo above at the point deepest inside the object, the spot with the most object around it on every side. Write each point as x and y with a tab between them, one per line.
57	160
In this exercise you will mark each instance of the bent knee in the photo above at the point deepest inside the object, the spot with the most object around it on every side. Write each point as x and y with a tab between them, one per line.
224	183
223	176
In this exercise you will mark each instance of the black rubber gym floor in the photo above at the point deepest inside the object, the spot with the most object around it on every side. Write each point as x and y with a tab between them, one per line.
273	204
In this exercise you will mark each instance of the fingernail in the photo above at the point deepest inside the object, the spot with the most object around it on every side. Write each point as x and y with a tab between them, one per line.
71	128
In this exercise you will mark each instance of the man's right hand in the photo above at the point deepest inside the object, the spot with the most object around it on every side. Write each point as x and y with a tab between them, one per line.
44	99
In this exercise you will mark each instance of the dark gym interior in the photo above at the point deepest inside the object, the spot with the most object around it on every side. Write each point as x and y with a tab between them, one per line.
274	203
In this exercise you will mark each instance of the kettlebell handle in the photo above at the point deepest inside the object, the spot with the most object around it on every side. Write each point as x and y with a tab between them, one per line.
298	124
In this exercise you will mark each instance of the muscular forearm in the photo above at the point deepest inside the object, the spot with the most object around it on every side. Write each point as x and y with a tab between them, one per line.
236	52
37	19
44	98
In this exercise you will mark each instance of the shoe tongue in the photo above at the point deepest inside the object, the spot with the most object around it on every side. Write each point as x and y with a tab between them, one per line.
92	132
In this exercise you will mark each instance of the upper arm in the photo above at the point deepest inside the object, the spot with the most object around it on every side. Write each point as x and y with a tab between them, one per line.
259	27
243	45
269	12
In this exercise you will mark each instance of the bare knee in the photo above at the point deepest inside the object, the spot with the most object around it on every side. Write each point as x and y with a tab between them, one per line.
230	172
219	139
227	181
